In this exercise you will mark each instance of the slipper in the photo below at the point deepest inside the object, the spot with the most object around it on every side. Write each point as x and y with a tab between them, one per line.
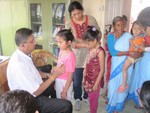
105	97
122	88
106	102
115	112
138	107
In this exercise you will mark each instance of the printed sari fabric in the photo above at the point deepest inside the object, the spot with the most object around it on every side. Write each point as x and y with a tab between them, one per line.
116	100
140	74
144	68
134	84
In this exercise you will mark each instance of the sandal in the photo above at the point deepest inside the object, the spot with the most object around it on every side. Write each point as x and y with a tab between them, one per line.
138	107
105	97
115	112
122	88
106	102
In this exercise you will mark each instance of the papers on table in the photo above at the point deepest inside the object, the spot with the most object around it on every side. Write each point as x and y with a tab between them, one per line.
4	58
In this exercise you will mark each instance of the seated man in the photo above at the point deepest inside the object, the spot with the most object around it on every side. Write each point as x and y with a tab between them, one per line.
23	75
12	102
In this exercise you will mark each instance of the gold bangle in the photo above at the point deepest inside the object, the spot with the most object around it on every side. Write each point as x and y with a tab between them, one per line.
51	78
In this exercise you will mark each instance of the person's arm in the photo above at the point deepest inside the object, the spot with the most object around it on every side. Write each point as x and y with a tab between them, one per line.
51	78
112	50
111	44
101	56
78	45
67	85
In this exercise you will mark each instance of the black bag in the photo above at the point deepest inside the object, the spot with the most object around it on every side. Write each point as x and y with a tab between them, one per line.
45	68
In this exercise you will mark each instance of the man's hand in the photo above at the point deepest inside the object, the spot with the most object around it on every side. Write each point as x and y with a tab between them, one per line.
58	70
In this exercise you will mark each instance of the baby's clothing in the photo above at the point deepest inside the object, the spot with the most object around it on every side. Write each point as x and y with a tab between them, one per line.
133	60
147	40
137	41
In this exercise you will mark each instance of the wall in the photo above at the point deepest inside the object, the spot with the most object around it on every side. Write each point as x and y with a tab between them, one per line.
136	7
127	12
96	9
13	15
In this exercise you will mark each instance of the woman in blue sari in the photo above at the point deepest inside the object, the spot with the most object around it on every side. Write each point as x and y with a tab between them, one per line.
118	44
142	67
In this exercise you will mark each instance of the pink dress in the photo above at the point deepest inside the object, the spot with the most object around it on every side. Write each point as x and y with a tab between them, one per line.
92	71
60	82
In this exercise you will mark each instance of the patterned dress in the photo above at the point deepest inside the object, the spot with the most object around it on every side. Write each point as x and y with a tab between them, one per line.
92	70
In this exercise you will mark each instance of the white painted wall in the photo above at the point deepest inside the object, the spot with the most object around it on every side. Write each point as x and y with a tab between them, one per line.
136	7
95	8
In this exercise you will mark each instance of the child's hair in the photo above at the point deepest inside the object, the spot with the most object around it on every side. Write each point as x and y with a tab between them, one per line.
135	22
91	34
145	95
66	34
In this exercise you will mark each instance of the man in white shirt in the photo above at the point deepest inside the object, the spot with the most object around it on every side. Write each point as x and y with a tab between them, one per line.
23	75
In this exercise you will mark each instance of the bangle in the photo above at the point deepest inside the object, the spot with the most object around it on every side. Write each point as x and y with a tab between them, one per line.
128	53
51	78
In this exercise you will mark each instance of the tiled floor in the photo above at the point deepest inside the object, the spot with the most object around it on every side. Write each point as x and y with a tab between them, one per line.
129	107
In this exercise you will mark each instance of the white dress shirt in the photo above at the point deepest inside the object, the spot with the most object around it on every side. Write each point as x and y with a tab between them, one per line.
22	74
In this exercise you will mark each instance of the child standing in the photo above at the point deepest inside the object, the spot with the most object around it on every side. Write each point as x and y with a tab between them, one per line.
95	65
66	56
136	45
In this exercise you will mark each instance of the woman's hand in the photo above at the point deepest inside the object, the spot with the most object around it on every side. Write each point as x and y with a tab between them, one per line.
135	54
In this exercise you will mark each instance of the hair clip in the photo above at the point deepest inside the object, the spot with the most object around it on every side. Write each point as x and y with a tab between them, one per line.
93	28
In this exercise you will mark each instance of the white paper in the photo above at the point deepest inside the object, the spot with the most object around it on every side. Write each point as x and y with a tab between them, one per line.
4	58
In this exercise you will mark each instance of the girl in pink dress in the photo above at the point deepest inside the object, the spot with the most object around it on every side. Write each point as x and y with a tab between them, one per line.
95	65
66	56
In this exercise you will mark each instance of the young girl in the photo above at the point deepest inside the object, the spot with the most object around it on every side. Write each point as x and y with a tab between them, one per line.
66	56
136	45
95	65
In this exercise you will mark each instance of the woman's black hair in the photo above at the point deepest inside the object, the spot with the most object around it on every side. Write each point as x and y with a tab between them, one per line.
66	34
116	19
75	5
91	34
145	95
